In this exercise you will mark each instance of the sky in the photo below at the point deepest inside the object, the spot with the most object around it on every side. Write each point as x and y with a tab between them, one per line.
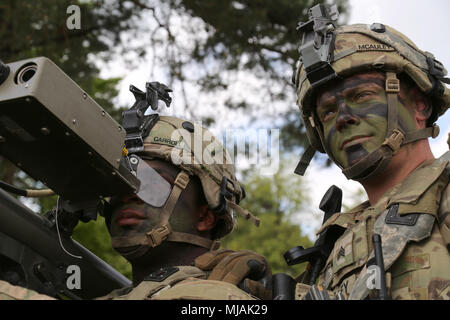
425	23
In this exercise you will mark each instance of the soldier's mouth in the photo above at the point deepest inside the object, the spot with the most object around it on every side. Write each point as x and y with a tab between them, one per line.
129	217
354	141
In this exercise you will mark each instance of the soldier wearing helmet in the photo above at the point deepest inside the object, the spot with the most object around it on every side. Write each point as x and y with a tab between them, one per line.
169	230
369	98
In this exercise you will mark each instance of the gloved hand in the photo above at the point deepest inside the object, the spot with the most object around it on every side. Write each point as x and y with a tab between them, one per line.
245	269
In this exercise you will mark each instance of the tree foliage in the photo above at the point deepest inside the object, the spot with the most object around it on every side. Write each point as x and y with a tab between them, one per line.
274	200
242	51
39	28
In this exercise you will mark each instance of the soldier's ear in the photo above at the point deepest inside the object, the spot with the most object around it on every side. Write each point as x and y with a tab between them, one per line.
206	219
422	107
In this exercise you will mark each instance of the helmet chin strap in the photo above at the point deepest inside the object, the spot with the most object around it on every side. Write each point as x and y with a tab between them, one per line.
163	232
378	160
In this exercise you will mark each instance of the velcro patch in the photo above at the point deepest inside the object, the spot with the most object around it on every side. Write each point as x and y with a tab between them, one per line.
393	217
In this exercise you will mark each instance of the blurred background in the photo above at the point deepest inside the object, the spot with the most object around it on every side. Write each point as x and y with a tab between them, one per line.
230	65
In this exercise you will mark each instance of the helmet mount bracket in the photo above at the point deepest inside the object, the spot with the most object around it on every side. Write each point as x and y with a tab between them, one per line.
135	122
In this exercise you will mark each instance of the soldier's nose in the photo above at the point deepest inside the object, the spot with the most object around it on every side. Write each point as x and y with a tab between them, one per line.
345	118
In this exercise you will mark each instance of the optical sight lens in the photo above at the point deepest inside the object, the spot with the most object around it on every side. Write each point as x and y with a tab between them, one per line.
26	73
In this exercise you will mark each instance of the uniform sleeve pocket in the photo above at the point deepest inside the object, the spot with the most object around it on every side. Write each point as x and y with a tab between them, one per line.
411	263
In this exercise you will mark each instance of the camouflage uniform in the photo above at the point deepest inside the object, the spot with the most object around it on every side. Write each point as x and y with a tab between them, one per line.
415	239
413	216
187	282
10	292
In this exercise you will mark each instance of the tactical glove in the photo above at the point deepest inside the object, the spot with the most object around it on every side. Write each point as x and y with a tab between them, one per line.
245	269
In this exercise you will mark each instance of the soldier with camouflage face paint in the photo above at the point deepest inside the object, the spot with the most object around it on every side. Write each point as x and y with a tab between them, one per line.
169	231
369	98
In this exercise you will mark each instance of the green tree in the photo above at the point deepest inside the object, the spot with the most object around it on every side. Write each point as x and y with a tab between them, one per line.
275	200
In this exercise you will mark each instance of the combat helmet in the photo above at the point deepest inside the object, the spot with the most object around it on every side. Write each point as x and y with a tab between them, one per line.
196	152
328	52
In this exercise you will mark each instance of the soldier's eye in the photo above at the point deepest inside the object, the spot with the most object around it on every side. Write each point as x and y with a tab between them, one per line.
328	114
363	96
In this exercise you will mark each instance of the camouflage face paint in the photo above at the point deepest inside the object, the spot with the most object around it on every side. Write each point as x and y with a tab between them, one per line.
131	216
353	114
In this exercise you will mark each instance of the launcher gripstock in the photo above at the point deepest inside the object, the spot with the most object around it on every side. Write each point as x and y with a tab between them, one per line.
52	130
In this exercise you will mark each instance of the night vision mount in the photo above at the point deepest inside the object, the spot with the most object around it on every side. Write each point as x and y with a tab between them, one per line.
316	50
135	122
